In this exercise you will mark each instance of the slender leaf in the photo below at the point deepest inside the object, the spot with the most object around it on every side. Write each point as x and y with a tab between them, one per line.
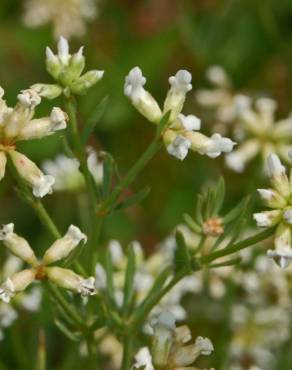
94	119
181	253
134	199
130	279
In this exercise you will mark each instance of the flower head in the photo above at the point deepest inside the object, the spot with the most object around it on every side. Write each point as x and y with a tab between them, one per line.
171	348
68	17
66	171
278	198
261	134
41	270
181	135
18	124
67	70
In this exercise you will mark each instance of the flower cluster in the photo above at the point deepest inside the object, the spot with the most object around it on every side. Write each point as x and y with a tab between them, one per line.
221	98
67	70
17	124
260	134
171	348
278	198
68	17
66	172
42	270
182	133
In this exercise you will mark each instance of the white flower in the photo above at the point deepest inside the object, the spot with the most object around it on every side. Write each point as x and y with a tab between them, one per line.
143	359
66	172
134	84
67	70
59	118
87	287
190	122
60	249
18	124
7	291
217	145
67	17
181	82
260	134
29	98
140	98
179	148
268	218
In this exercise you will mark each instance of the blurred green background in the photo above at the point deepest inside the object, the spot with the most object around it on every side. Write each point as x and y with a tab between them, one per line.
251	39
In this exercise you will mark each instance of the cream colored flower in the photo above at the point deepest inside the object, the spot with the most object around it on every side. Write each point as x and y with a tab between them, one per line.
261	135
43	270
181	135
171	349
68	17
221	97
278	198
18	124
66	172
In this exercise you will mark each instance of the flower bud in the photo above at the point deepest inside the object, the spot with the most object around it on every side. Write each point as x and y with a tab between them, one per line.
16	283
41	184
63	50
142	100
53	64
17	245
74	69
180	85
68	279
64	246
163	339
49	91
272	198
278	175
283	244
3	160
86	81
267	218
40	127
212	146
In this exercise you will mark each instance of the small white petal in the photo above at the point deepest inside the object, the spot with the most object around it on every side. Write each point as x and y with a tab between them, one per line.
219	144
63	49
179	148
6	231
181	82
43	186
7	291
190	122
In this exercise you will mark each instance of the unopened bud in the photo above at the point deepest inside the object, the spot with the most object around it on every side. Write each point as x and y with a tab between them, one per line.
64	246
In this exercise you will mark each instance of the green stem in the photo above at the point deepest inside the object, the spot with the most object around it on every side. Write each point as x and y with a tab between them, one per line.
205	260
41	355
91	350
45	218
67	308
80	152
152	299
128	352
135	170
